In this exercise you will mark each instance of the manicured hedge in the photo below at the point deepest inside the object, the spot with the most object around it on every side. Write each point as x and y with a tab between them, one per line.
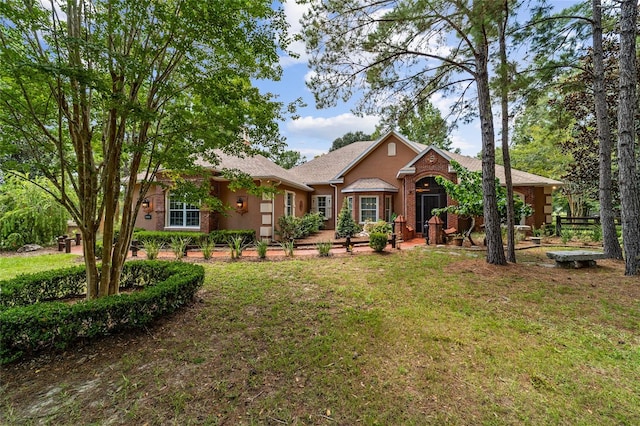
165	286
217	237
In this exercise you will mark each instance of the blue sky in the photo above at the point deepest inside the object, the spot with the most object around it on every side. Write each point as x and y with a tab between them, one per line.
315	130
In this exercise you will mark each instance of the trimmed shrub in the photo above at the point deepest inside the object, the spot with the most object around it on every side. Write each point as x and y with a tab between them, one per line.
378	241
197	238
292	227
166	286
379	227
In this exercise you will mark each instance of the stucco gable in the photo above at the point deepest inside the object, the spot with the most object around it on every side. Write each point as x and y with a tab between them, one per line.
416	147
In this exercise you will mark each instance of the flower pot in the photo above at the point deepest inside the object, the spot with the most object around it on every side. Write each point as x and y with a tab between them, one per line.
458	241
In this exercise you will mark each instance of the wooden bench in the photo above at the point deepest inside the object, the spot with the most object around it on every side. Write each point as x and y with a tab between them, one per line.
575	259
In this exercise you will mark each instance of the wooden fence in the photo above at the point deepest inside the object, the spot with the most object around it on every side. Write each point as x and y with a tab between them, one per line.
578	223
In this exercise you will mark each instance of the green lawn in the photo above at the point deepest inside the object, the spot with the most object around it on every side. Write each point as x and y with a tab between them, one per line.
419	337
16	265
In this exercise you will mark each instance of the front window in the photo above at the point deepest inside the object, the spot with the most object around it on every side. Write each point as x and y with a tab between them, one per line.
321	204
182	214
368	209
387	208
289	204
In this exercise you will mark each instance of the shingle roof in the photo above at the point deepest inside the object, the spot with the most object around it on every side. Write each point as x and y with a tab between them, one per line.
325	167
256	166
370	184
518	177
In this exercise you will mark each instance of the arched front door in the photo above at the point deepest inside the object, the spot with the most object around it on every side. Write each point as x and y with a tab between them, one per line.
429	196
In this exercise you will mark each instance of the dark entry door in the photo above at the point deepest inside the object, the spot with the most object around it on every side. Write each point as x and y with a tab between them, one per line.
429	196
426	203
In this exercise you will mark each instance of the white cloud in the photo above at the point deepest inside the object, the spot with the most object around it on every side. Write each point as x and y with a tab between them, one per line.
331	128
313	136
467	140
294	12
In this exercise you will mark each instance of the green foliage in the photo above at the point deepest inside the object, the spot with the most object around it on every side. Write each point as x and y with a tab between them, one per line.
347	226
288	246
100	90
324	248
539	131
596	233
215	237
421	123
151	248
261	248
380	227
468	195
237	245
32	325
293	227
289	159
378	241
179	246
349	138
206	246
567	235
28	214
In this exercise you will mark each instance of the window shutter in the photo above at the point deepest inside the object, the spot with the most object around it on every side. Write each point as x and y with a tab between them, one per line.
314	203
329	208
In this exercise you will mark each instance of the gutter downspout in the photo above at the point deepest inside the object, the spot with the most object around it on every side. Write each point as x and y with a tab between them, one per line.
335	207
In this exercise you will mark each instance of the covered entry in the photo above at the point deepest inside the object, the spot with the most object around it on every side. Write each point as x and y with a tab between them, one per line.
429	196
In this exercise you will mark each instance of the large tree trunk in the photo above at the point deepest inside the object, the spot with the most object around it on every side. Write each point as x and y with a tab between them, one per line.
612	247
506	157
495	250
628	181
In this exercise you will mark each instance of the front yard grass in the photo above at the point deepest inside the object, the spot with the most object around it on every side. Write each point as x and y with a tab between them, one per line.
418	337
11	266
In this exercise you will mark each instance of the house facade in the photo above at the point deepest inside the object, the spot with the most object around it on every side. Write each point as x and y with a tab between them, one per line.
378	179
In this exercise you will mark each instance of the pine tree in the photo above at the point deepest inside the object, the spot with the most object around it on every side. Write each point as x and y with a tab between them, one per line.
347	226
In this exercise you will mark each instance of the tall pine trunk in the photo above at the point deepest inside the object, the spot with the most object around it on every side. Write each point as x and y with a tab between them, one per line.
611	245
495	249
506	157
628	181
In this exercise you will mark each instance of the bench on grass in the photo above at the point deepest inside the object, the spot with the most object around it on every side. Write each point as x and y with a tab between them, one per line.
575	259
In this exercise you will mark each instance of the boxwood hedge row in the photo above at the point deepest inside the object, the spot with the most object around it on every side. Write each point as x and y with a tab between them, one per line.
217	237
29	328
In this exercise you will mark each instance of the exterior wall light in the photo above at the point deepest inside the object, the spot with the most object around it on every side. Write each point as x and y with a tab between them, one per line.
241	205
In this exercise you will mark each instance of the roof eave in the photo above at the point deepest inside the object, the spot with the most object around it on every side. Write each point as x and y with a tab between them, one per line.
354	190
405	171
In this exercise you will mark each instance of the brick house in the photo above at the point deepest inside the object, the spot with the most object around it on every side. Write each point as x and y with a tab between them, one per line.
378	179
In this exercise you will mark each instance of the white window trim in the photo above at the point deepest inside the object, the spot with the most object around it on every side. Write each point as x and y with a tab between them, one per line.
376	217
293	203
168	216
328	208
388	212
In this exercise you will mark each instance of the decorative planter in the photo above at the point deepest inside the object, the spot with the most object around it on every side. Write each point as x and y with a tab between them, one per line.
536	240
458	241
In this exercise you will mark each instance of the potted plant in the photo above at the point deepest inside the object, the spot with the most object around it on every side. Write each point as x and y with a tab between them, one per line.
458	239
